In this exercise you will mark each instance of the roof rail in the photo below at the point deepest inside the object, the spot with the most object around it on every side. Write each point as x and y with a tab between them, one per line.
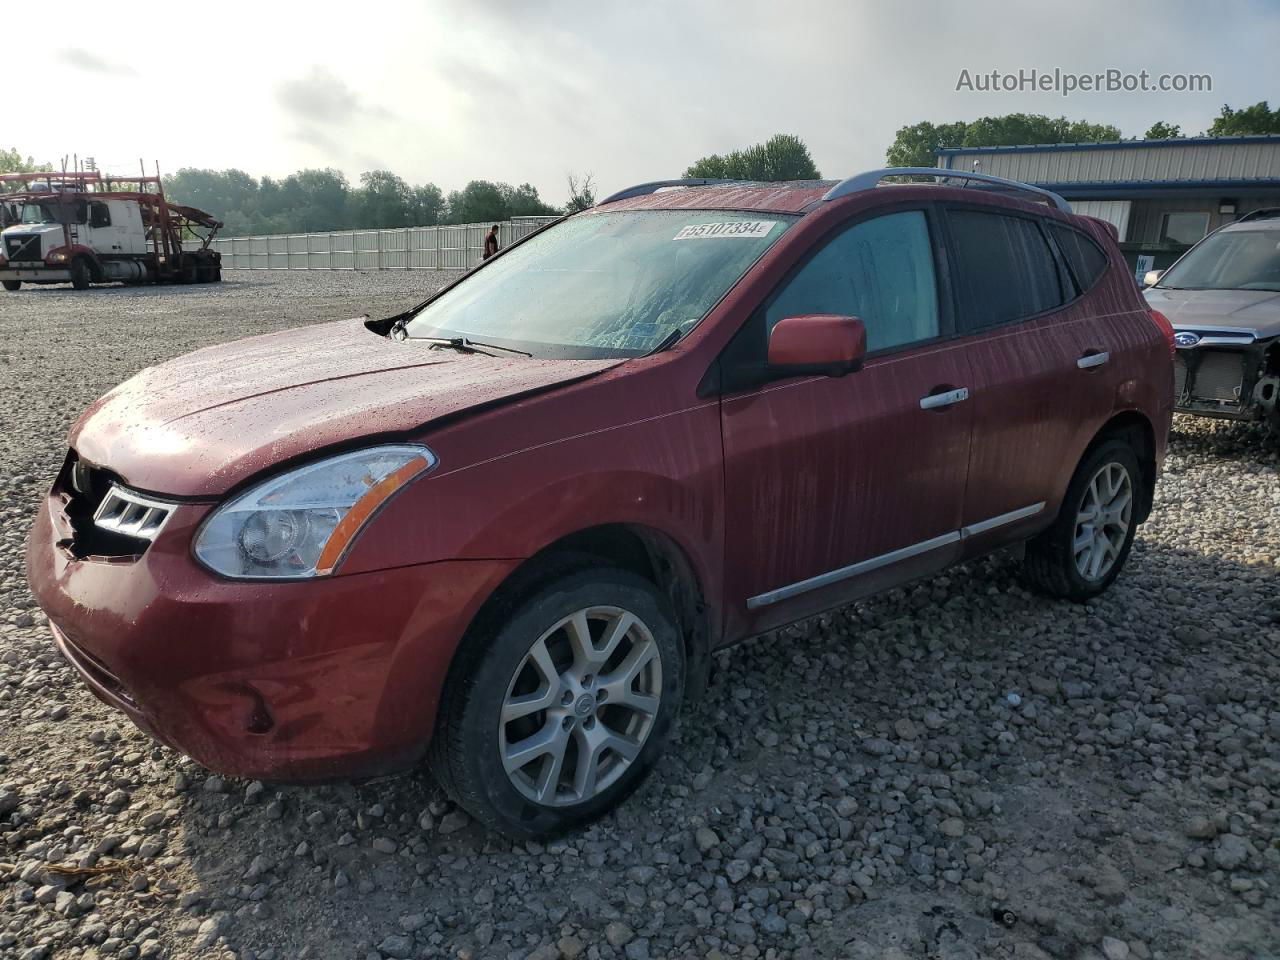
641	189
1264	213
872	178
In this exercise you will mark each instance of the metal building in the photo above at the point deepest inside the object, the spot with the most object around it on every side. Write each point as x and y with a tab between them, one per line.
1162	195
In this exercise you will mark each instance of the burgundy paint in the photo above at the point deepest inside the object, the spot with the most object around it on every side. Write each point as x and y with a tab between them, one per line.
817	340
756	489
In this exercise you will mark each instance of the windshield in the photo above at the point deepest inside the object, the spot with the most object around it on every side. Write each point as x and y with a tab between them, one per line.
37	213
605	284
1232	260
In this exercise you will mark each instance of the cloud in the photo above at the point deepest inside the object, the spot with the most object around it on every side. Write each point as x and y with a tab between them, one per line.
321	98
90	62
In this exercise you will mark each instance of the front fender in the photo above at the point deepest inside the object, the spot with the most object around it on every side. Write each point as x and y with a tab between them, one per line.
664	473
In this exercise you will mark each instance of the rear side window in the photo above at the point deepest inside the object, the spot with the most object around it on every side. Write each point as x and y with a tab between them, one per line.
1084	257
880	271
1004	268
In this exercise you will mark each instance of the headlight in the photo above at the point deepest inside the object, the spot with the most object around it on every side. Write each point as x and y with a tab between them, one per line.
57	256
300	523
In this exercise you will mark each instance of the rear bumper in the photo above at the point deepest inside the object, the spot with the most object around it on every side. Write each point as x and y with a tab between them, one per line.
315	680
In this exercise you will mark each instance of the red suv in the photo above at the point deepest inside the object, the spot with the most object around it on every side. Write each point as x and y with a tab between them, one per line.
505	529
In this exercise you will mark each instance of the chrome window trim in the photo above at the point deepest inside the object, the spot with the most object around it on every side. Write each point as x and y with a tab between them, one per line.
132	514
894	556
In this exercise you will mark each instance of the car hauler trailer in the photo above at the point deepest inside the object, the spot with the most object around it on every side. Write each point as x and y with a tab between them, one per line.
88	227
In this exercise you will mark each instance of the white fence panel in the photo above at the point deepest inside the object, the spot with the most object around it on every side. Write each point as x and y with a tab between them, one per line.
456	246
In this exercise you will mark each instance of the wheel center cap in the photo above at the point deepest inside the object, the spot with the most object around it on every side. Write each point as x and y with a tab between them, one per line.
586	703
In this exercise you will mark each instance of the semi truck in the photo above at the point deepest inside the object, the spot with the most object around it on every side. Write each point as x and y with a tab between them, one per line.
87	227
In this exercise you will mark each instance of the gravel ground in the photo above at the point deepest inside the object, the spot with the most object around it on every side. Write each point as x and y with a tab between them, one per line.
883	782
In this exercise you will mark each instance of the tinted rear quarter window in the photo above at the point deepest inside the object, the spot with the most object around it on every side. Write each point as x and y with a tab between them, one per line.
1005	269
1086	259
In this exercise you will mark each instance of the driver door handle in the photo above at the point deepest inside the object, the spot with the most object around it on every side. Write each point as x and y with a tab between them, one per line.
935	401
1093	359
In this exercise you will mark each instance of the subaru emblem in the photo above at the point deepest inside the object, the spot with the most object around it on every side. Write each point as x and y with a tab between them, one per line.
1186	339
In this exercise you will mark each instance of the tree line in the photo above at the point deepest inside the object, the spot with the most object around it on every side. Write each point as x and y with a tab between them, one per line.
321	200
785	157
915	145
313	201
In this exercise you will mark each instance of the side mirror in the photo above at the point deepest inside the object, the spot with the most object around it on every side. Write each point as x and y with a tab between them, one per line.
819	343
1151	277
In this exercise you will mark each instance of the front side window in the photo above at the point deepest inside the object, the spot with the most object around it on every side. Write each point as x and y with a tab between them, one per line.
880	271
99	215
604	284
1184	228
1004	269
1233	260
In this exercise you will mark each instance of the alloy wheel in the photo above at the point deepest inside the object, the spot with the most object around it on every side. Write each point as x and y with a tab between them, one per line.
1102	521
580	706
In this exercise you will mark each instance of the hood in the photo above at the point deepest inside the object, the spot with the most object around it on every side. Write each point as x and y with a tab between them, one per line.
198	425
31	229
1255	310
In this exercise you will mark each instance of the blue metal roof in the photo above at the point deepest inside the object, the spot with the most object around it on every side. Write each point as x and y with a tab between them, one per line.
1110	145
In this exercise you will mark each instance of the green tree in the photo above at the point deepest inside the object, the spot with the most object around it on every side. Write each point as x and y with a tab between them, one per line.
428	206
781	157
11	161
1258	119
1163	131
384	200
523	201
915	145
480	201
223	193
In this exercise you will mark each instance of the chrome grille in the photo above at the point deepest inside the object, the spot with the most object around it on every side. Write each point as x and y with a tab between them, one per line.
1219	376
131	515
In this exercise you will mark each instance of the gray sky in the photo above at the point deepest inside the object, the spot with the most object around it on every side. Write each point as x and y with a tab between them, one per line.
528	91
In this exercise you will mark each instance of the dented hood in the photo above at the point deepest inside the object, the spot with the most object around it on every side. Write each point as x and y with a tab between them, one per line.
202	423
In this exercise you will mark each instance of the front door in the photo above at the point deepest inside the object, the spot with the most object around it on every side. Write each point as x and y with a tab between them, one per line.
837	486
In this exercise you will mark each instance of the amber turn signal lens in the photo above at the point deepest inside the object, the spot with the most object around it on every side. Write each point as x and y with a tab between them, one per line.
362	510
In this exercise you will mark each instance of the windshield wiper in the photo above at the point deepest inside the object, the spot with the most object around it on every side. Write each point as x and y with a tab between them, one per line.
469	346
667	342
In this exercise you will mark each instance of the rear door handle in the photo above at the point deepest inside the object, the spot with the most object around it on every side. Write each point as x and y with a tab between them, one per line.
1092	360
936	400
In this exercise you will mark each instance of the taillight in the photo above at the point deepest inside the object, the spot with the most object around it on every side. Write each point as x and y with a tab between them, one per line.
1167	329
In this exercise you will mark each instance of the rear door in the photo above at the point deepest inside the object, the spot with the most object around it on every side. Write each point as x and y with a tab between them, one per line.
836	486
1042	369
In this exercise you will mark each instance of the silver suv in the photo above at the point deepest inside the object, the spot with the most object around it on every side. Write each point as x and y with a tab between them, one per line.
1223	299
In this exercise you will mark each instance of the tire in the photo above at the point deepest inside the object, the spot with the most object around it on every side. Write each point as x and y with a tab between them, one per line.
12	285
1053	564
189	271
81	274
578	709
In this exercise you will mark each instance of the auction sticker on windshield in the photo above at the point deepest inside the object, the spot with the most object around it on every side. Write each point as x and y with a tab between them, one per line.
734	228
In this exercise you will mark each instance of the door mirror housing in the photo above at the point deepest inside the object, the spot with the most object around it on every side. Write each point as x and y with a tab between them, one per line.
1149	280
817	343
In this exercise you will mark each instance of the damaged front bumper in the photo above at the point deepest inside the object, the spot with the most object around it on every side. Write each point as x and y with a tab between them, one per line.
1231	376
